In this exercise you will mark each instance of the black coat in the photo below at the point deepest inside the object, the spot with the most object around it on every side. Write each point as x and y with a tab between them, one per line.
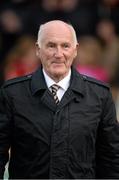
77	139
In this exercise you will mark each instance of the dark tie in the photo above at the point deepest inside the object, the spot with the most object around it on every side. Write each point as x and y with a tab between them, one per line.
54	88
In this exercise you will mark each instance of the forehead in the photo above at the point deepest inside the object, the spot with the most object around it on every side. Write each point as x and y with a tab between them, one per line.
54	33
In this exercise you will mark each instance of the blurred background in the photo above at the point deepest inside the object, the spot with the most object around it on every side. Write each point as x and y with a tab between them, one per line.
97	26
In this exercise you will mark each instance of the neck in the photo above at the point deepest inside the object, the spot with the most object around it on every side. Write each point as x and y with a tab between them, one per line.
57	77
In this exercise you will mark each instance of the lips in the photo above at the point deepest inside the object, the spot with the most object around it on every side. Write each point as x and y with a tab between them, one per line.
57	62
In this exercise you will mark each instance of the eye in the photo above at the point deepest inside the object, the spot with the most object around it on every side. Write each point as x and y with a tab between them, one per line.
51	45
66	45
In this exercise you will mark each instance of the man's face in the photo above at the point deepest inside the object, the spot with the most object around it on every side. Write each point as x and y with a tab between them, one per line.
57	51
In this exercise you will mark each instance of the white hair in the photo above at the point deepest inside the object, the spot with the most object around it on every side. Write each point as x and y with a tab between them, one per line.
42	27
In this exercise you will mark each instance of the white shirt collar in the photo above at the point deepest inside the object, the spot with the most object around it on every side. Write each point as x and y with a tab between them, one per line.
64	83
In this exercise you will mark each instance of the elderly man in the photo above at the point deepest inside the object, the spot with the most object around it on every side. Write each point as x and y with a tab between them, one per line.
57	123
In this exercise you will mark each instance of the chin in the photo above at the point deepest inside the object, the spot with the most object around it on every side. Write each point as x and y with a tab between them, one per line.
59	73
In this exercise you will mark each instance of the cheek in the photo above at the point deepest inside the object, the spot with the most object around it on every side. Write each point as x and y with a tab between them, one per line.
70	59
43	56
47	56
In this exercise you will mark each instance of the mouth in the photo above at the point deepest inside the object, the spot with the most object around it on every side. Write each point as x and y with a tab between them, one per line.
56	62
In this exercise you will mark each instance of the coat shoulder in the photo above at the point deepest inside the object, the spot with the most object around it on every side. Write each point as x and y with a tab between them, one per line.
16	80
95	81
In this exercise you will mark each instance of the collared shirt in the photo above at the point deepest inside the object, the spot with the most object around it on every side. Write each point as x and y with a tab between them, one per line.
64	83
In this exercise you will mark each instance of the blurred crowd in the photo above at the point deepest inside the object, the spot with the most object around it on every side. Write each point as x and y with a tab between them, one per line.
97	26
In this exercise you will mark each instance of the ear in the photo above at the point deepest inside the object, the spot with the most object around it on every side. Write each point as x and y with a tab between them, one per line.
76	50
37	50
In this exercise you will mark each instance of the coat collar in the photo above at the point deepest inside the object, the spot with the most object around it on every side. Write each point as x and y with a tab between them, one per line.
77	82
38	82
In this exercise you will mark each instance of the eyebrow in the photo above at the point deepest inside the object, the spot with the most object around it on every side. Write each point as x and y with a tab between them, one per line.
51	42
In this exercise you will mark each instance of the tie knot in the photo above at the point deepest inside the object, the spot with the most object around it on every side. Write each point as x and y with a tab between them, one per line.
54	88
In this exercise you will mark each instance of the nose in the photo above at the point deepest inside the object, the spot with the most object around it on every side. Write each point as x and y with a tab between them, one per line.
58	52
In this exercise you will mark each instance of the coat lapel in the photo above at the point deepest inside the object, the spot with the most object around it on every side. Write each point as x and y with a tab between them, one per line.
39	88
75	92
